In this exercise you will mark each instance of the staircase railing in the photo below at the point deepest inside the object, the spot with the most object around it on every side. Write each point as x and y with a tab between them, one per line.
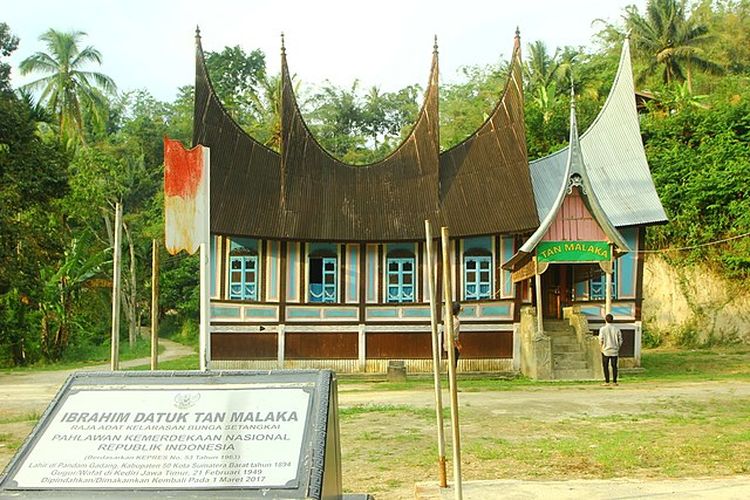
588	343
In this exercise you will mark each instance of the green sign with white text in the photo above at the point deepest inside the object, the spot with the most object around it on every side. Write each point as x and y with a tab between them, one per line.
573	251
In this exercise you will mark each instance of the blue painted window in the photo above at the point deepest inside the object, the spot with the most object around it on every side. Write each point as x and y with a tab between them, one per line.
400	279
323	280
477	277
597	286
243	277
243	269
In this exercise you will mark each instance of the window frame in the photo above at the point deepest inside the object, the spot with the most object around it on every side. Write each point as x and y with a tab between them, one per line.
329	293
601	281
478	258
400	258
244	260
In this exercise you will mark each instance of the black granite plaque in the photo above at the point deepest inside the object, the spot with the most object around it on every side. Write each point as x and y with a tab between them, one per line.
197	434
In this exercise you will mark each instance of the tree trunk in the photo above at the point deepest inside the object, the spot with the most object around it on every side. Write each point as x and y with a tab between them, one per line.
130	297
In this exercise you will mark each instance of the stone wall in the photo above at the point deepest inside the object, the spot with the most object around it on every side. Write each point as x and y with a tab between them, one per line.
693	305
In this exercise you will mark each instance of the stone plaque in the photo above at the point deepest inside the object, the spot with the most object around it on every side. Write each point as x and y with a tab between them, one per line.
198	431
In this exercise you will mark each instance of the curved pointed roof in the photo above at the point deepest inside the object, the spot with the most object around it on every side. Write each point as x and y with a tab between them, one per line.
481	186
325	198
485	185
615	160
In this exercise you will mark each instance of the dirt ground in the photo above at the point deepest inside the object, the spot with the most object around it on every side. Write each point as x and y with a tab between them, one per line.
24	396
557	403
489	417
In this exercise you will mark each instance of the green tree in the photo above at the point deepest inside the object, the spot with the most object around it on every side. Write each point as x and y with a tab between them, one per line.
8	43
541	67
63	284
361	128
236	75
670	40
67	89
266	102
699	159
465	105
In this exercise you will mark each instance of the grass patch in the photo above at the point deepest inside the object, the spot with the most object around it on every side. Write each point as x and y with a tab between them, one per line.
93	355
695	364
391	410
392	445
190	362
26	417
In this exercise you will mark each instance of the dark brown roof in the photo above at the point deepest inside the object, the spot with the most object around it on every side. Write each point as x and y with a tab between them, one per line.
481	186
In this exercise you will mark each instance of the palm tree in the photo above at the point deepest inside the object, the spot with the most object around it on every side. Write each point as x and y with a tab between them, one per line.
668	38
67	89
541	68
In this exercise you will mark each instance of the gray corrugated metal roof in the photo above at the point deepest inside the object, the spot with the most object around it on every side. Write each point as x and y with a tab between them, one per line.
615	160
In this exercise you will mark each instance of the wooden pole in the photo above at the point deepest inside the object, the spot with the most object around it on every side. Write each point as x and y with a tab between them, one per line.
448	319
608	284
539	309
442	476
116	289
154	304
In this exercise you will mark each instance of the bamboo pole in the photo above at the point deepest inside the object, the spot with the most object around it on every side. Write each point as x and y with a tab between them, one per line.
608	282
448	318
442	476
116	290
154	304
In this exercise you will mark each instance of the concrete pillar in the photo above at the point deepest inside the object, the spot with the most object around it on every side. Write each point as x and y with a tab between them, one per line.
516	346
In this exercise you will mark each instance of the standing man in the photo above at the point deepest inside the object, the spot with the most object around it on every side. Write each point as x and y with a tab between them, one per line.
610	340
457	347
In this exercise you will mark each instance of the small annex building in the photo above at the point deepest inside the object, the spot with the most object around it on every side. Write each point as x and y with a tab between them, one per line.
316	263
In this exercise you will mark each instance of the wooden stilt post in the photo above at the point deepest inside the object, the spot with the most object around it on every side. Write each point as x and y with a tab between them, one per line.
442	476
154	304
116	290
539	308
448	321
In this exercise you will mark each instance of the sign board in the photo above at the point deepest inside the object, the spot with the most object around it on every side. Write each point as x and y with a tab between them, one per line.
198	432
524	273
573	251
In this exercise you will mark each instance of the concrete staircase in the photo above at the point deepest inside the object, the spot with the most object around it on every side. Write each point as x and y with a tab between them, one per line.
568	357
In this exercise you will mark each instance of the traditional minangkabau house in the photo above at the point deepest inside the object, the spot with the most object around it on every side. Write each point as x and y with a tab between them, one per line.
316	263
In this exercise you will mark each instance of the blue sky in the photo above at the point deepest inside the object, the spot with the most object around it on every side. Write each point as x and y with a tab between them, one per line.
388	43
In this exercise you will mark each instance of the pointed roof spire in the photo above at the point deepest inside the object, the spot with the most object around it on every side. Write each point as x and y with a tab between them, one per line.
518	32
435	46
197	32
283	47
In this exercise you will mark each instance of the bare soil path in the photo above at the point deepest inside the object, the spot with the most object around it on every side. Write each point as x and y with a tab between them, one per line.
30	392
